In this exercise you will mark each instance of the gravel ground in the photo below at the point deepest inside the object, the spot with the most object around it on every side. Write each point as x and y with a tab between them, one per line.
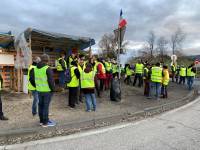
18	106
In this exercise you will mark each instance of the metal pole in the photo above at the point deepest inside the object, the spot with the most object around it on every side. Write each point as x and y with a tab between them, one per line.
118	52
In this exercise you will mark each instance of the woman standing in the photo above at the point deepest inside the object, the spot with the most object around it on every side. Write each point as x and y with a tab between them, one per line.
88	87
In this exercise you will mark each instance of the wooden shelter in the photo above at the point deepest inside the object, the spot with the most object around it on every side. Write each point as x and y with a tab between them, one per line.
34	42
7	57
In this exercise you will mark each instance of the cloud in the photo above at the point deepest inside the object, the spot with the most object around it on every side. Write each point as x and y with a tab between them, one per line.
94	18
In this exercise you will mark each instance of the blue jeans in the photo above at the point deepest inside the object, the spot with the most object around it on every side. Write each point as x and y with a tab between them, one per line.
35	102
90	98
61	75
190	81
155	89
44	102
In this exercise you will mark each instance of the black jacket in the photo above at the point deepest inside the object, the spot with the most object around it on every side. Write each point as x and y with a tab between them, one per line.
49	74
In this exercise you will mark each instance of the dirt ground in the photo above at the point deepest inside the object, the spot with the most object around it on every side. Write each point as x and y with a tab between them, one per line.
18	106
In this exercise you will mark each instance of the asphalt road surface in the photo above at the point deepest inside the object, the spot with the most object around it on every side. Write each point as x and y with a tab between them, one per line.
175	130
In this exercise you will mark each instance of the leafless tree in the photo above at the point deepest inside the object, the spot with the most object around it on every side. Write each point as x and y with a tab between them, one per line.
162	44
177	40
151	42
108	45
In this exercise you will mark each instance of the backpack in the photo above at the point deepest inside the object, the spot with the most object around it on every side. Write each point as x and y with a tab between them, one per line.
68	76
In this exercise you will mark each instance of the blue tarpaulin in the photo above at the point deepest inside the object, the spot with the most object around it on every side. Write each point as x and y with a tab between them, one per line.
6	39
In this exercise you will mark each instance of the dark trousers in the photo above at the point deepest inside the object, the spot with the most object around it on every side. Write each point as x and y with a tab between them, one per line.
1	109
139	78
101	84
173	76
164	91
73	96
146	87
44	102
61	75
127	80
182	79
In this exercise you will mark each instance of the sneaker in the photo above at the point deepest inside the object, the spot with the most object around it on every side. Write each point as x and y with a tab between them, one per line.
49	124
41	124
3	118
88	110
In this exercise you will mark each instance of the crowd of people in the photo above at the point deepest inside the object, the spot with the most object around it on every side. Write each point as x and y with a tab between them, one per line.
84	76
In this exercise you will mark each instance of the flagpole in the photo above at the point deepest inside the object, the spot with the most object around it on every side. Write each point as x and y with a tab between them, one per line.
118	52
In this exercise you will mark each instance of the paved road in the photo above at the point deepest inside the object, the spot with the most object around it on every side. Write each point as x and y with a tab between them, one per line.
175	130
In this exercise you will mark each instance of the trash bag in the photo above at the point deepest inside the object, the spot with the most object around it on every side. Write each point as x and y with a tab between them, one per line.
115	90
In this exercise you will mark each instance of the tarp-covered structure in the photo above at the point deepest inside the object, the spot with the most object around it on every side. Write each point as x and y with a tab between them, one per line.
6	39
37	40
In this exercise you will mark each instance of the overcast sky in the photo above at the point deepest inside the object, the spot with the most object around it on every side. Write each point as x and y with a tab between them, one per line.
94	18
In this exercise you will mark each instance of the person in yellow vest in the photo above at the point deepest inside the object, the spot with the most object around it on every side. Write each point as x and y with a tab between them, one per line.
71	58
146	79
182	74
108	66
41	78
173	71
31	88
190	72
73	85
81	67
156	75
2	117
88	87
128	74
139	67
165	81
61	68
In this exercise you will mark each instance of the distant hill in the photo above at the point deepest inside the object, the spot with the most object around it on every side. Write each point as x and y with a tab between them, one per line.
193	57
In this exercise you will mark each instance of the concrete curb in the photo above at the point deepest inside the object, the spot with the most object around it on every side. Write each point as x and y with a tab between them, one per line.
28	134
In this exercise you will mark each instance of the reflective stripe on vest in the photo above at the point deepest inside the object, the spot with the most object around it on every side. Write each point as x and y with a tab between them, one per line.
87	80
190	73
30	86
74	81
183	72
156	74
165	77
41	80
59	66
139	68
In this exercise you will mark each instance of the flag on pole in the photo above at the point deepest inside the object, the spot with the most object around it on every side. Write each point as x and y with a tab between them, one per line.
122	21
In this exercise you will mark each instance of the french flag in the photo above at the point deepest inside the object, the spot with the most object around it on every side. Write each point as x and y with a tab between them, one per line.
122	22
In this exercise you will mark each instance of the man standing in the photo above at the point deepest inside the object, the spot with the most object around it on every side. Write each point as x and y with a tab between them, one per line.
173	70
182	74
146	80
42	78
61	67
190	75
2	117
108	66
31	88
73	84
138	73
156	80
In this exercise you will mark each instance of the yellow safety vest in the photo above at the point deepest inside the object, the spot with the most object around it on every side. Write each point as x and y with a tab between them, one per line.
108	66
114	68
30	86
59	66
87	79
41	80
146	70
156	74
81	68
128	71
74	81
190	73
139	68
165	80
183	72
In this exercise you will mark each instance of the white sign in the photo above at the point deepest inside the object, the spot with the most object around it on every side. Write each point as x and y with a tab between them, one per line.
6	59
173	57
